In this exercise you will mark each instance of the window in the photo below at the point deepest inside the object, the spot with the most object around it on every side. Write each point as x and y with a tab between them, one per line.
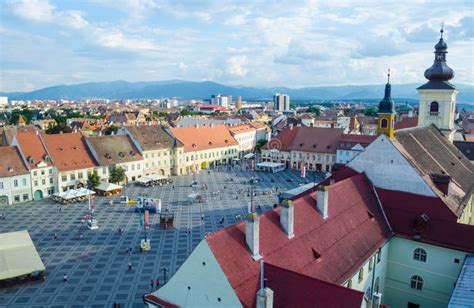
43	181
25	197
17	198
42	172
80	175
1	185
434	108
36	182
35	173
50	171
371	263
23	182
416	283
361	274
15	183
50	180
419	255
64	178
349	283
379	255
73	177
383	123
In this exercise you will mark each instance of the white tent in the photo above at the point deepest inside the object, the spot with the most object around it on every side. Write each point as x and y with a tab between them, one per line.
18	255
249	156
105	186
84	192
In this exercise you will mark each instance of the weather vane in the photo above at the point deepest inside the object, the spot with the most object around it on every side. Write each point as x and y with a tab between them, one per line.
442	29
388	76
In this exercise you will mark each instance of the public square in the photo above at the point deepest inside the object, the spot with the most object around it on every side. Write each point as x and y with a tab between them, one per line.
96	261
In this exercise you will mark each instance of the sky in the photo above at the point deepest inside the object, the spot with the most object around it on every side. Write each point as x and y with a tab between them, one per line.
252	43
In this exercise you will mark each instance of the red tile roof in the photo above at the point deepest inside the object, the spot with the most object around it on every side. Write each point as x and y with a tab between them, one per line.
150	298
11	163
68	151
345	240
31	146
307	139
406	122
203	137
404	210
347	141
292	289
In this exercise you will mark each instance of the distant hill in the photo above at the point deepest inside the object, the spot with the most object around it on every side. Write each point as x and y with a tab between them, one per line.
204	89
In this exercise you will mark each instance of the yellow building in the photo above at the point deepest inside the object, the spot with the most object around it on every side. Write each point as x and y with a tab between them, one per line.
386	113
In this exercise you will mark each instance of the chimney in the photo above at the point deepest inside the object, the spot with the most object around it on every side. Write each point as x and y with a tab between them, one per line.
264	295
322	198
287	217
252	234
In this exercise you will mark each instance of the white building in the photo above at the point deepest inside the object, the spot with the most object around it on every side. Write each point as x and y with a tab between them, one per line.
248	134
3	101
221	100
15	179
281	102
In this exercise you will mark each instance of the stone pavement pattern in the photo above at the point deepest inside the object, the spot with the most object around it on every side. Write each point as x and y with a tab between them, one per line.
97	264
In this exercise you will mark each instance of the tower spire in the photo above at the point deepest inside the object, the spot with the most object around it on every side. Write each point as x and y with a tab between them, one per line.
442	29
388	75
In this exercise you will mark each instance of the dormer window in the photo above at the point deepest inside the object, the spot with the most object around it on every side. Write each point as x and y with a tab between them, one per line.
31	160
46	158
121	154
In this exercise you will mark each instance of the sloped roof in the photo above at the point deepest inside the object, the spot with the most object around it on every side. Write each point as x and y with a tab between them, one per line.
242	128
11	163
113	150
463	295
307	139
31	146
432	153
68	151
152	137
466	147
353	231
203	137
406	122
347	141
292	289
404	210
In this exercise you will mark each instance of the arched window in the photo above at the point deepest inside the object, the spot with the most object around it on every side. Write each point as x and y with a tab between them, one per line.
384	123
377	285
434	108
419	254
416	282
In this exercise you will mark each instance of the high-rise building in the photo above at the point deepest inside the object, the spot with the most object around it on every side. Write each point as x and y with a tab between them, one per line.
238	102
438	95
282	102
221	100
3	101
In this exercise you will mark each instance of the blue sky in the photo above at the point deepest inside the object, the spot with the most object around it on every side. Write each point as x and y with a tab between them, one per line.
252	43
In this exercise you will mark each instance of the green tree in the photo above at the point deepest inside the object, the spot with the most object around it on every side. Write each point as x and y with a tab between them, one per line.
94	179
260	144
111	129
58	128
314	109
117	174
371	111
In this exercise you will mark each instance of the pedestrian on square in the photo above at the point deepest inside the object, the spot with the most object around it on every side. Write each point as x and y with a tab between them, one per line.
120	230
81	236
65	277
55	236
60	208
129	266
152	284
189	230
157	283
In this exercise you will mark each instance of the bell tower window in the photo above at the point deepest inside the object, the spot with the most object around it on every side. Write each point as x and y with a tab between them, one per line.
434	109
383	123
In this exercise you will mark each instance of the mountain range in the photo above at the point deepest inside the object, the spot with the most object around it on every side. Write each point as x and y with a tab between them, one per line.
204	90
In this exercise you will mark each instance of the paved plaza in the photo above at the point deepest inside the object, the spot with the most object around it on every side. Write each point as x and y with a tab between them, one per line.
97	261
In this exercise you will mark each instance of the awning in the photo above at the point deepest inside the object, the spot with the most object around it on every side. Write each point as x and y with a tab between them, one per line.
249	155
105	186
18	255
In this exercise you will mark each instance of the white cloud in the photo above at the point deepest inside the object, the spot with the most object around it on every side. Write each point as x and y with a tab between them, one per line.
237	65
34	10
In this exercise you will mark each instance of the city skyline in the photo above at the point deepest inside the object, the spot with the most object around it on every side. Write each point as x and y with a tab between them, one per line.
45	43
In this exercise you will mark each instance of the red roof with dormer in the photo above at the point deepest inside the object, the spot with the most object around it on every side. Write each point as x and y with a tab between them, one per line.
354	230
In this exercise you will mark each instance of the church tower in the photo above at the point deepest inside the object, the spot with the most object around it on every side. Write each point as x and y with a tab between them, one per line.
386	113
438	96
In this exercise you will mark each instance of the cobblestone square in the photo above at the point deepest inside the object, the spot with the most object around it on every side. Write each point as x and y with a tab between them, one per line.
97	263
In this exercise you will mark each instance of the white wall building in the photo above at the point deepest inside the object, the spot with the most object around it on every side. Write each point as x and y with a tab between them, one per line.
15	179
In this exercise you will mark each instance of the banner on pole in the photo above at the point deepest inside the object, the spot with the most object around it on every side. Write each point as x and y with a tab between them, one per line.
146	219
141	217
303	171
91	203
252	165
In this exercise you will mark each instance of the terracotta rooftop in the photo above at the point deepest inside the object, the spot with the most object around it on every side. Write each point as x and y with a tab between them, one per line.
11	163
292	289
152	137
347	141
32	148
242	128
203	137
307	139
406	123
68	151
113	150
353	231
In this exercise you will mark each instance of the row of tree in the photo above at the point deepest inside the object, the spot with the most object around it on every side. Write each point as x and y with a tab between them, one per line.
117	175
